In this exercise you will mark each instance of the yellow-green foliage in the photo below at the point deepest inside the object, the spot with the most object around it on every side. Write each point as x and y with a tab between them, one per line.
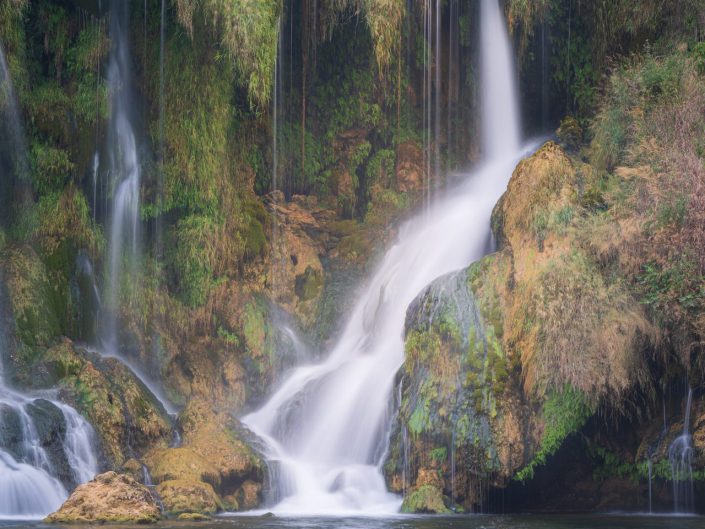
249	32
198	116
385	19
580	330
12	37
523	16
649	135
31	297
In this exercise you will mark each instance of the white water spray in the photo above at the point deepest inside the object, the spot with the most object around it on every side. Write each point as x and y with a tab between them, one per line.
326	428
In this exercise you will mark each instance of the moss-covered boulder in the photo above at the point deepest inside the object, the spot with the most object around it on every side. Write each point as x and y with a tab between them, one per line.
125	415
188	496
214	469
427	499
111	498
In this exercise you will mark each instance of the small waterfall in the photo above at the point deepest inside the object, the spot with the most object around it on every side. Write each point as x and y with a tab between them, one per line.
123	241
125	169
78	445
680	455
30	486
327	426
500	128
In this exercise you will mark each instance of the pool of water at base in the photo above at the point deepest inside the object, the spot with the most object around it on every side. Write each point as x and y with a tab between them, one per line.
589	521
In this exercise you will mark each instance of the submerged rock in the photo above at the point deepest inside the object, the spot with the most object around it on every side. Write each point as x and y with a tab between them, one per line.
110	497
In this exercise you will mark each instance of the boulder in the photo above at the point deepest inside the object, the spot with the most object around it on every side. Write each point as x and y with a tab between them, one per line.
427	499
110	497
188	496
213	469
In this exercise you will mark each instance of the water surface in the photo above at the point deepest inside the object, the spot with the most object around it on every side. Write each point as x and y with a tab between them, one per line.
611	521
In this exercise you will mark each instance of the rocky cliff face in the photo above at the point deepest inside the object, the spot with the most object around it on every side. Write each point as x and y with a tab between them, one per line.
588	317
508	358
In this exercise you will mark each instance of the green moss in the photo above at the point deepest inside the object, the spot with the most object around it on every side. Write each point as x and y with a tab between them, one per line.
255	331
564	413
248	32
439	454
52	167
31	297
309	284
427	499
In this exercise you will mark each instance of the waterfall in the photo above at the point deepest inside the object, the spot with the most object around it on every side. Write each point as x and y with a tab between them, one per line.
326	427
124	175
500	125
124	172
680	456
30	485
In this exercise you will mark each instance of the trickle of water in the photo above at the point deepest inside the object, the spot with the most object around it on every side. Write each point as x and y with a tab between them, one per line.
327	427
680	456
96	166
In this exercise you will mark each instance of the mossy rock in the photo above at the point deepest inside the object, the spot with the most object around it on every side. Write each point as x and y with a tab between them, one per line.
427	499
193	517
309	284
167	464
124	414
108	498
188	496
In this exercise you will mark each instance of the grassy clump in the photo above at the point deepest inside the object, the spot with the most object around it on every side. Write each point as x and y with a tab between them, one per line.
564	413
248	31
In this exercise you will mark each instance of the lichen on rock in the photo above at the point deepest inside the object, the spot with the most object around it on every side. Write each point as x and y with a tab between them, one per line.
110	497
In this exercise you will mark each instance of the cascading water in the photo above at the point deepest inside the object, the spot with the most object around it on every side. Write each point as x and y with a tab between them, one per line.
326	428
29	481
680	455
124	171
124	181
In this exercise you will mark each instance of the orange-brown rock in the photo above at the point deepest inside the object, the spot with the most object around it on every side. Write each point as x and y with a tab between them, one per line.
109	497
